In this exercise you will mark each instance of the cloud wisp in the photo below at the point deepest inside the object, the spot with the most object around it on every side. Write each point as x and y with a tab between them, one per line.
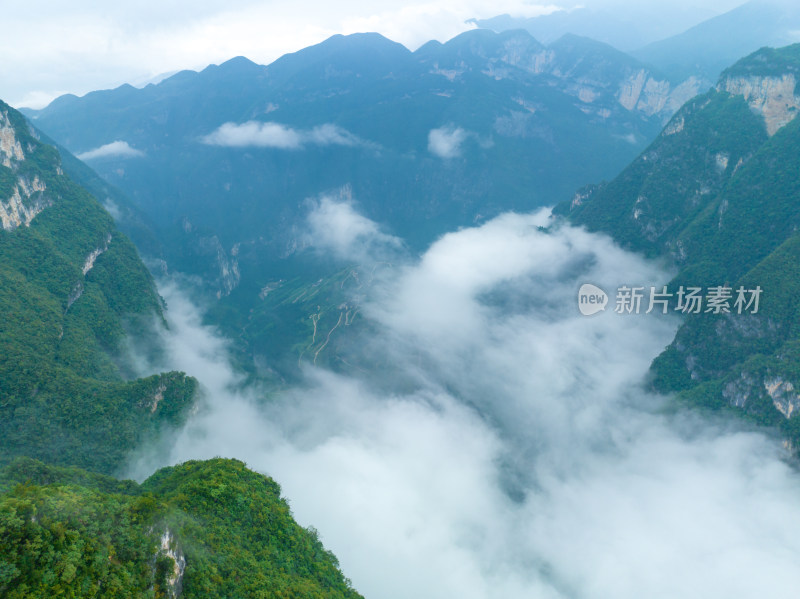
506	447
446	142
115	149
335	226
275	135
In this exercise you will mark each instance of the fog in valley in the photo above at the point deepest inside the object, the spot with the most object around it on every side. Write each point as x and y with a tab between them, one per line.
506	446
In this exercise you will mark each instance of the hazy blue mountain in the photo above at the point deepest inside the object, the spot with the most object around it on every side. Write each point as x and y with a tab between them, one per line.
627	29
516	125
718	193
678	48
530	132
709	47
223	162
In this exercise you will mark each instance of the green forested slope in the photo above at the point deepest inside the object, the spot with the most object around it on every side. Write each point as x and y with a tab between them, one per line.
70	286
721	197
202	529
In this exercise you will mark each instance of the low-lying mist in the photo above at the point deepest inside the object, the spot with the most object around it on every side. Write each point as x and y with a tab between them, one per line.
507	448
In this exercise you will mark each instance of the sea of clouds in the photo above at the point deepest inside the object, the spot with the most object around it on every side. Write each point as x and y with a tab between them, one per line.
507	447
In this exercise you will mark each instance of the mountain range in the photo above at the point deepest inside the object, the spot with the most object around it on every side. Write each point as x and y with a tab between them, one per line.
225	164
701	50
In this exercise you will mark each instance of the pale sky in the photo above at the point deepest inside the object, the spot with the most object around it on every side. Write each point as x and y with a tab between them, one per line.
52	48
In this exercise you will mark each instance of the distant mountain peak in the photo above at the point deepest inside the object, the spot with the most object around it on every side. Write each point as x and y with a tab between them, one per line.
487	37
354	42
363	53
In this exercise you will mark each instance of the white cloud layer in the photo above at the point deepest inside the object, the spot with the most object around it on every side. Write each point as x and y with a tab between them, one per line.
507	448
446	142
115	149
275	135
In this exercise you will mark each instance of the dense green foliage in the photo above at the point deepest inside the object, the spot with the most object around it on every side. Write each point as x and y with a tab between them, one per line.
677	179
69	533
239	536
769	62
64	396
309	317
722	199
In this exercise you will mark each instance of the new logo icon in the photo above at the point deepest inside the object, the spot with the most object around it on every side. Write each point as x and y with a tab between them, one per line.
591	299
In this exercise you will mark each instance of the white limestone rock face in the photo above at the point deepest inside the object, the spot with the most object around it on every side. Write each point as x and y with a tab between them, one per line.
641	92
27	201
784	396
27	198
10	148
771	97
88	264
169	549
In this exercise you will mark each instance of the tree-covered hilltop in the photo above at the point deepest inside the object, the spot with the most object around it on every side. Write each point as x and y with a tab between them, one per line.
719	193
202	529
71	285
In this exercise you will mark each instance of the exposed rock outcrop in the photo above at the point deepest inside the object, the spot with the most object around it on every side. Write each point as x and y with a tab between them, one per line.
169	549
10	148
772	97
27	201
94	254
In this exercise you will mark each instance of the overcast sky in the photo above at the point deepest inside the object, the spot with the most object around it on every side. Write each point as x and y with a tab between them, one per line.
51	48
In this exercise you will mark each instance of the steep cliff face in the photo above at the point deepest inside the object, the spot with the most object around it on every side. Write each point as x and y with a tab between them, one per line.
602	75
596	74
22	194
25	203
645	93
9	145
638	89
171	551
773	98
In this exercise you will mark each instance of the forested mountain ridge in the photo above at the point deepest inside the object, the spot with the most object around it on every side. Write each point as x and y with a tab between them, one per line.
718	193
201	529
71	286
